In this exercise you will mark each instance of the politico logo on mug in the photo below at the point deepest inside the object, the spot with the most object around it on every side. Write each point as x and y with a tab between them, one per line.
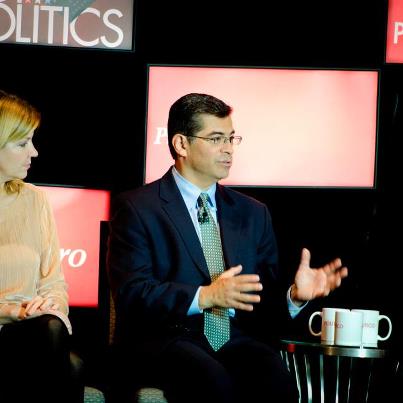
328	324
370	327
358	327
348	328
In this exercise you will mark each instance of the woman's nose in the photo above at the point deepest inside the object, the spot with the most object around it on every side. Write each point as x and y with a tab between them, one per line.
33	151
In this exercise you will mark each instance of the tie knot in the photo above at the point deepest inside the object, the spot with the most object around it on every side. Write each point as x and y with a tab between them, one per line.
202	202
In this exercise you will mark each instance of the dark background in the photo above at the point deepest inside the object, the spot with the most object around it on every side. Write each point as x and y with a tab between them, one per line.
93	130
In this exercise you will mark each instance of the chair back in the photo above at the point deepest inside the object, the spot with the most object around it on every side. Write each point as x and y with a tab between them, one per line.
107	306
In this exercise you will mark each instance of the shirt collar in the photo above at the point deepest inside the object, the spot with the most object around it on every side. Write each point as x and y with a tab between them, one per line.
190	192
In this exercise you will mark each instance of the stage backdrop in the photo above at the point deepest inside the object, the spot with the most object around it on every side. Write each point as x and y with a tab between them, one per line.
78	213
394	42
300	127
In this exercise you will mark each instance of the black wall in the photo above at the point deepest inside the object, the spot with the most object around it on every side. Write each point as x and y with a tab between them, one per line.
93	106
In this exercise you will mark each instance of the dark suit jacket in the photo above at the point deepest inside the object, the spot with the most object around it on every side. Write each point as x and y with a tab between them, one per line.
156	263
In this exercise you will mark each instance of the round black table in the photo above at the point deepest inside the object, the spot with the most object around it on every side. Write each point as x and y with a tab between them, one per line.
329	373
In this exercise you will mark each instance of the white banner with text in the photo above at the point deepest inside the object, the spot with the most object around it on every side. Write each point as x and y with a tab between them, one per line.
73	23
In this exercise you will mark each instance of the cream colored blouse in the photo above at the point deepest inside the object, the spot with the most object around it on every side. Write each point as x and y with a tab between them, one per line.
29	254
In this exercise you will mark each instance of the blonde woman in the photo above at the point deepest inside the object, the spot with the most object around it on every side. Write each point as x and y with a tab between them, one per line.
34	328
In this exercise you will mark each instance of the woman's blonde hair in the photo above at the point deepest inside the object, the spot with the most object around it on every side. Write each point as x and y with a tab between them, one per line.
17	119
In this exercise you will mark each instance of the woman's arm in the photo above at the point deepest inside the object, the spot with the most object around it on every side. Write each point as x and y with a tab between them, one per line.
52	284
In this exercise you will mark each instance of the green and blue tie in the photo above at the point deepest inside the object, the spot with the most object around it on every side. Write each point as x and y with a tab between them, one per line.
216	319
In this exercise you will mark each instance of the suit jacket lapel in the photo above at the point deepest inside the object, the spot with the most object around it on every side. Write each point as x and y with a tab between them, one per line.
177	211
229	218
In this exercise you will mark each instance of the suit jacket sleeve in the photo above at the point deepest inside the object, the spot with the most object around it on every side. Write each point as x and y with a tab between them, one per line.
140	286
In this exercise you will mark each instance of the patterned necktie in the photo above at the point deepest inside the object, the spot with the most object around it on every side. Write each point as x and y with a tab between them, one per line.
216	319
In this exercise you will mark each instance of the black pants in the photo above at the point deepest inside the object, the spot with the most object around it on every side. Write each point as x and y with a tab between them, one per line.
35	362
243	370
188	370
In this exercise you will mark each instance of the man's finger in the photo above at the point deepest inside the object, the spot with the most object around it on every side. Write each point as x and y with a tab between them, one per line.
233	271
305	257
250	287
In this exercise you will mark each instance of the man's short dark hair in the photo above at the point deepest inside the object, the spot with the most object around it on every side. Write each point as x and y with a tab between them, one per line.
184	115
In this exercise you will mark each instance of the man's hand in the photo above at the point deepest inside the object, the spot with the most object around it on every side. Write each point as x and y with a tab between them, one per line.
231	290
312	283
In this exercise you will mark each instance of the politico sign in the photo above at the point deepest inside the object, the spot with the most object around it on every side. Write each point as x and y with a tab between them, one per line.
73	23
298	136
394	43
78	213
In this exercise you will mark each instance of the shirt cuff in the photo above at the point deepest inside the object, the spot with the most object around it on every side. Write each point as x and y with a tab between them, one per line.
194	306
292	308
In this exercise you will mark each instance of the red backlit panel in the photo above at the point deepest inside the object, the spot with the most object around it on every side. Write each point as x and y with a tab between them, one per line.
394	42
300	127
78	213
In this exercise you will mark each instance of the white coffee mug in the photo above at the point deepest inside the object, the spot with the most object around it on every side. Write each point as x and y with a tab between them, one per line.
348	328
370	327
327	329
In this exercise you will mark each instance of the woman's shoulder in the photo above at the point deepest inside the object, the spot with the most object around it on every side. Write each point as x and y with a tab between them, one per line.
31	189
33	192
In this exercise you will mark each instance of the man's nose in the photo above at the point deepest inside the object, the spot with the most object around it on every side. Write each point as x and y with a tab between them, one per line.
227	147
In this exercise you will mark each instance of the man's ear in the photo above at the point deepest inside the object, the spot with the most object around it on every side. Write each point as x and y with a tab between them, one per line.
180	144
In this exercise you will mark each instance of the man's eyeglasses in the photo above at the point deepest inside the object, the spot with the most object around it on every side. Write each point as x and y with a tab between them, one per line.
221	140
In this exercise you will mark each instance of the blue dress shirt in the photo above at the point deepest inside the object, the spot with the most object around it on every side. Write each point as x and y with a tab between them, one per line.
190	194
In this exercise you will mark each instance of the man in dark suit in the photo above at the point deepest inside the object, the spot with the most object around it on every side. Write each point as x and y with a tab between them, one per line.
161	278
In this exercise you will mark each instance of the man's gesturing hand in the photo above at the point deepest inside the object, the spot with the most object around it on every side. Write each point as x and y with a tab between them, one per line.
231	290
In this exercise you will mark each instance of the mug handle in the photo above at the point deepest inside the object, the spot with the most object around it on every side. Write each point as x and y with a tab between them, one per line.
390	328
310	324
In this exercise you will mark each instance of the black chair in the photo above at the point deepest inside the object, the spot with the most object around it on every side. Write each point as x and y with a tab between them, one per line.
90	394
142	392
